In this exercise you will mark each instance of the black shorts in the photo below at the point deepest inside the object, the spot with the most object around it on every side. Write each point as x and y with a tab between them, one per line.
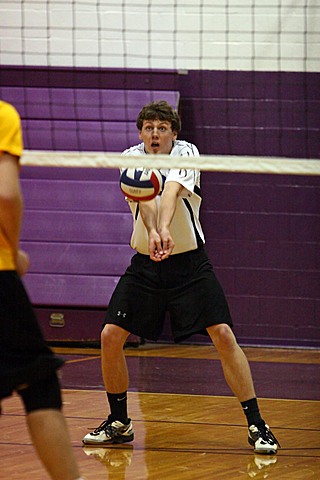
25	357
184	285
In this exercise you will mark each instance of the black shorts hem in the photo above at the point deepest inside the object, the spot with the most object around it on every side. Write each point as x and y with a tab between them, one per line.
32	372
176	337
133	331
181	337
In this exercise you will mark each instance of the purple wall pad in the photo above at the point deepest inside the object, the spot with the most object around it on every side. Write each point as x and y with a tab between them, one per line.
97	196
199	377
60	290
78	258
55	173
83	104
70	119
100	227
238	113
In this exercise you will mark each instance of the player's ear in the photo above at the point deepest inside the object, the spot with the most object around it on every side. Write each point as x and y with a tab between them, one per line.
140	134
175	135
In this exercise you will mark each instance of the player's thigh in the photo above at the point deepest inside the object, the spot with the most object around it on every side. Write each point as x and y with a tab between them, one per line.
199	304
137	308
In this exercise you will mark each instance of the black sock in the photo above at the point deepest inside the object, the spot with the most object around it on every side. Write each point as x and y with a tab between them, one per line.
251	411
118	406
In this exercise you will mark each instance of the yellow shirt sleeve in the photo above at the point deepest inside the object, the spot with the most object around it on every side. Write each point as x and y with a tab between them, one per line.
10	130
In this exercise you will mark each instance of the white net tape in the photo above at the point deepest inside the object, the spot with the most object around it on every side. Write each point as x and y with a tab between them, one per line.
266	165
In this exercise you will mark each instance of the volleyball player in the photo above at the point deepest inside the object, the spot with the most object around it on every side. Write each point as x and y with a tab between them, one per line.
27	365
170	272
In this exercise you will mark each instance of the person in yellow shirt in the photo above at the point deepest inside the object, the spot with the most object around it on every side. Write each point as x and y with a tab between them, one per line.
27	364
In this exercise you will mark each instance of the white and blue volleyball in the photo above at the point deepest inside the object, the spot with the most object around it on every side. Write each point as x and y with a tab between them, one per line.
141	184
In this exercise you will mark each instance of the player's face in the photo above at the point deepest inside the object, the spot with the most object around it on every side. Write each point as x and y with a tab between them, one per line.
157	136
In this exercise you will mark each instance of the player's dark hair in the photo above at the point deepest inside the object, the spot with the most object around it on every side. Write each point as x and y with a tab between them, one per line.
159	110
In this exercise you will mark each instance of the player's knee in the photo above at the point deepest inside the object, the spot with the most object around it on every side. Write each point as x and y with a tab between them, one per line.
107	337
112	337
222	336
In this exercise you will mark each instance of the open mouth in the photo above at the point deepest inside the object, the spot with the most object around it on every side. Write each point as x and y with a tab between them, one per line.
155	145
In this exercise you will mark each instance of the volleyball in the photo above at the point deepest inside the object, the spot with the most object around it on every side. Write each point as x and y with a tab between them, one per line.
141	184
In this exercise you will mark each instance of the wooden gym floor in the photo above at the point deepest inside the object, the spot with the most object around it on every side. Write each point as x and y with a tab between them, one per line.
187	424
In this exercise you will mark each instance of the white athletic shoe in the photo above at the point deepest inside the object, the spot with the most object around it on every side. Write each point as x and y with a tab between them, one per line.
263	440
110	432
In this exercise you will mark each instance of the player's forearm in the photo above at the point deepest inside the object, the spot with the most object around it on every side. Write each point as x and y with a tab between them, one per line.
149	214
11	203
10	221
168	205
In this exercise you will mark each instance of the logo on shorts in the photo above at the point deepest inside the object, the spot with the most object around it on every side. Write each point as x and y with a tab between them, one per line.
120	314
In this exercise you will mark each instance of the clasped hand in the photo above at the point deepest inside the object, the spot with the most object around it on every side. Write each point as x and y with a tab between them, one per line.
161	245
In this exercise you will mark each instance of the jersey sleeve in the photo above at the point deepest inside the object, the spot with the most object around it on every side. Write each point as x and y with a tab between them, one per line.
186	177
10	130
185	149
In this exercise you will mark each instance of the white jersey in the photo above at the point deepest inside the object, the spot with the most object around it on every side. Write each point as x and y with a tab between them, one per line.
185	226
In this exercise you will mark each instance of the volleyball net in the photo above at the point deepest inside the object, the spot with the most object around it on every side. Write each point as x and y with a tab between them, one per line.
255	35
262	165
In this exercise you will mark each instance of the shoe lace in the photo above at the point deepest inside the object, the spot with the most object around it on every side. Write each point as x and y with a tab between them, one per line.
105	425
267	435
